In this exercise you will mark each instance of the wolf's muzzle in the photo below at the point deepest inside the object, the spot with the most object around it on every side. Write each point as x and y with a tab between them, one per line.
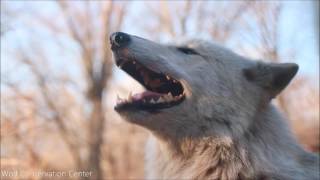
119	39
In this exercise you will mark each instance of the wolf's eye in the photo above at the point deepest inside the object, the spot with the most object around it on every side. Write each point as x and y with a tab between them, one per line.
187	50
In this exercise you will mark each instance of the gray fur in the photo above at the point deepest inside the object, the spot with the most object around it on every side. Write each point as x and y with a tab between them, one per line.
226	128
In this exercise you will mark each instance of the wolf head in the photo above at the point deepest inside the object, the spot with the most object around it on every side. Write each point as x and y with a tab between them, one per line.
196	88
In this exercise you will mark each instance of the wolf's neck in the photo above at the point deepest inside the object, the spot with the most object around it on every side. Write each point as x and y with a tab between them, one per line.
214	157
269	134
270	129
205	158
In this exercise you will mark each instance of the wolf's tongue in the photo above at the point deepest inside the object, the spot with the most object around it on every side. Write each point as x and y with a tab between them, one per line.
146	94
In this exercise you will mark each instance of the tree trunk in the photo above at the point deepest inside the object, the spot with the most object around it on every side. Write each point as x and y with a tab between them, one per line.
96	127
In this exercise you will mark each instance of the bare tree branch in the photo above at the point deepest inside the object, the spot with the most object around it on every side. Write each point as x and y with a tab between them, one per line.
58	117
184	17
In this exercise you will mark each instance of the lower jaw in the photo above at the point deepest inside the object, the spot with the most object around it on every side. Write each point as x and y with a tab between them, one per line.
138	106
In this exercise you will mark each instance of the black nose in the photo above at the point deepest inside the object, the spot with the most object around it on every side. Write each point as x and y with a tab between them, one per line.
119	39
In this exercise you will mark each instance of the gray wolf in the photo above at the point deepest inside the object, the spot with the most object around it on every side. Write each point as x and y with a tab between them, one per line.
210	113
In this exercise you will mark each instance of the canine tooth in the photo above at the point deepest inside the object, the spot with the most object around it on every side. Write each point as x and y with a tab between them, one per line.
168	78
169	94
130	95
120	100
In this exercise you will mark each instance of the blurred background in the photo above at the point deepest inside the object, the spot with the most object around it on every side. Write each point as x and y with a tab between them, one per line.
59	83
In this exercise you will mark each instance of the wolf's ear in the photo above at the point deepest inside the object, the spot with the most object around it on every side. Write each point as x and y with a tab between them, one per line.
272	77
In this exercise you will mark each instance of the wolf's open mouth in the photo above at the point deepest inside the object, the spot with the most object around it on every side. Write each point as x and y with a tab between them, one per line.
163	91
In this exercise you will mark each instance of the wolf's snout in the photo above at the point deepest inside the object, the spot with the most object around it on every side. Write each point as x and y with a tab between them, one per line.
119	39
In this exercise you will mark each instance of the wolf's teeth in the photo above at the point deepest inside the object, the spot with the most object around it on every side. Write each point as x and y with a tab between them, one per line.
168	98
152	101
168	78
130	96
146	79
119	100
161	100
177	97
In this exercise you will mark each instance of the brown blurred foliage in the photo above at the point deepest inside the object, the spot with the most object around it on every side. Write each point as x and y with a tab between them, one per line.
62	122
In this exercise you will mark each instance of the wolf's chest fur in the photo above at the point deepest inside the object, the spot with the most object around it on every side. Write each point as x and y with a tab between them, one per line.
206	159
